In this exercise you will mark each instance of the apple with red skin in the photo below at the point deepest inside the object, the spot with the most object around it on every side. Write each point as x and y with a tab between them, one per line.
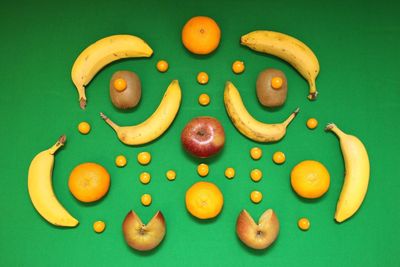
203	137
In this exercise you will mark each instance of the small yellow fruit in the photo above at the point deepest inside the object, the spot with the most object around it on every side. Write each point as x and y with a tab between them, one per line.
303	224
162	66
256	196
230	173
145	177
202	169
276	83
144	158
204	99
120	84
312	123
120	161
238	67
256	153
171	175
146	199
256	175
99	226
84	127
202	78
279	157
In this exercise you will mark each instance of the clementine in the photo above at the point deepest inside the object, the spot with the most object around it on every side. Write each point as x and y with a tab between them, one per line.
204	200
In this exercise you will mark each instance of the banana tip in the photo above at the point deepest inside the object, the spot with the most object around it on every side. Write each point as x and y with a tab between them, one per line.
313	96
62	139
329	126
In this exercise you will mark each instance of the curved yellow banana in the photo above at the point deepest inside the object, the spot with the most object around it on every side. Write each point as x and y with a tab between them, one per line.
99	54
356	179
246	124
41	189
156	124
288	48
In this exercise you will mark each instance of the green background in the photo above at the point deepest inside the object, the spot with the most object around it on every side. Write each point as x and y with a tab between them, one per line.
357	45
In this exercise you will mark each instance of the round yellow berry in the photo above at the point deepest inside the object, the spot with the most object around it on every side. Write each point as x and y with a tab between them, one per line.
202	78
256	175
99	226
276	83
303	224
204	99
230	173
238	67
256	153
144	158
162	66
312	123
145	177
279	157
84	127
146	199
120	84
202	169
256	196
171	175
120	161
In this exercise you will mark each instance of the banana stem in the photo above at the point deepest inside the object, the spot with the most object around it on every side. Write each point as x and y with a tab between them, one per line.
313	93
333	128
82	96
60	142
291	117
109	122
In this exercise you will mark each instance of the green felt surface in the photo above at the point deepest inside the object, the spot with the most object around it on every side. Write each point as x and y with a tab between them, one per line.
357	46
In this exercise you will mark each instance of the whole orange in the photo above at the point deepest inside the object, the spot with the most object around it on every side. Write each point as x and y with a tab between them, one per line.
89	182
204	200
201	35
310	179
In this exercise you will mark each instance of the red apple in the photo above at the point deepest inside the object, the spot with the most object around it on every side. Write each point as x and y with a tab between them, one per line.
203	137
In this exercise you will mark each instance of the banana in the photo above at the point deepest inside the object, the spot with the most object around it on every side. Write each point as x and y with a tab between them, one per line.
356	179
99	54
246	124
41	190
156	124
288	48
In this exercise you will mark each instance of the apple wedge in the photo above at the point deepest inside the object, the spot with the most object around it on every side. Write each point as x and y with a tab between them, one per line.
141	236
260	235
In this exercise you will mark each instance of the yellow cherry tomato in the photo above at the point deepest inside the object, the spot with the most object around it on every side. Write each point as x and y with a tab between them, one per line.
204	99
99	226
162	66
202	77
303	224
84	127
256	196
238	67
171	175
276	83
146	199
120	161
279	157
230	173
202	169
256	175
145	177
144	158
312	123
120	84
256	153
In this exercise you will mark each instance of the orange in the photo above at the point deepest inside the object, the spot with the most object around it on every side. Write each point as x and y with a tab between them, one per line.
204	200
310	179
201	35
89	182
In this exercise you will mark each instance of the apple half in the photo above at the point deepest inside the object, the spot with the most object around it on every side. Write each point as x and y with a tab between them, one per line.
141	236
257	235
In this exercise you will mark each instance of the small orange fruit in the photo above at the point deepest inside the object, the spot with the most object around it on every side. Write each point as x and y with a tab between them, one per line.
120	161
202	169
145	177
238	67
230	173
84	127
171	175
256	196
256	153
204	200
201	35
144	158
202	77
303	224
312	123
89	182
279	157
146	199
162	66
120	84
204	99
99	226
310	179
276	83
256	175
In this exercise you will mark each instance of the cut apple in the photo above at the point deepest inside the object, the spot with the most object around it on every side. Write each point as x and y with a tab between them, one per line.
257	235
141	236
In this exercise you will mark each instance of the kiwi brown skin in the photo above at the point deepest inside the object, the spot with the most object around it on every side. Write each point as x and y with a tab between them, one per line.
268	96
130	97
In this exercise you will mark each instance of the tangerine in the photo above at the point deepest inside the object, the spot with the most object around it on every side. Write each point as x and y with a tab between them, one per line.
204	200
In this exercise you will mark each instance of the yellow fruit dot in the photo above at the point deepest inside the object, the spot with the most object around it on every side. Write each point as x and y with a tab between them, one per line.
171	175
279	157
312	123
120	84
204	99
144	158
256	153
303	224
99	226
276	83
202	169
256	175
120	161
202	77
145	177
256	196
238	67
230	173
162	66
146	199
84	127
